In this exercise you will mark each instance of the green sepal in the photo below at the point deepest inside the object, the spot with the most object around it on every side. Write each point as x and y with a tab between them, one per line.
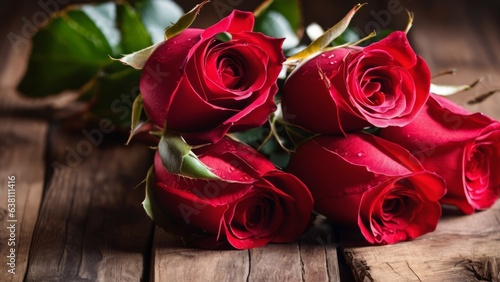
448	90
153	210
184	21
138	59
178	158
324	40
137	107
149	204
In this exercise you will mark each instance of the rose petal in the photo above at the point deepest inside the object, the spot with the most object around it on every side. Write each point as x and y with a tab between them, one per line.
297	204
398	46
238	21
161	74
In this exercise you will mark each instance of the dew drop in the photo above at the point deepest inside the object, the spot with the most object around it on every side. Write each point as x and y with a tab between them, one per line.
360	154
323	55
331	56
331	63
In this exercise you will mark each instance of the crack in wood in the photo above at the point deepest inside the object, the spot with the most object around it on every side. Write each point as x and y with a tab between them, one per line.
328	274
393	269
302	267
412	271
249	265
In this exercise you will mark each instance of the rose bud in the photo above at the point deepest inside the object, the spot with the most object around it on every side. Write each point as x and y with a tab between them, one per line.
462	147
253	204
346	89
204	87
362	180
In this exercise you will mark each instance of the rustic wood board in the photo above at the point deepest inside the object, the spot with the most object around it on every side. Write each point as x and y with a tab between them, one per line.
22	150
313	258
91	224
463	248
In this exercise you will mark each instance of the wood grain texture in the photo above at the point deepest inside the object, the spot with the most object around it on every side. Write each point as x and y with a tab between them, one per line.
463	248
22	150
313	258
172	261
91	224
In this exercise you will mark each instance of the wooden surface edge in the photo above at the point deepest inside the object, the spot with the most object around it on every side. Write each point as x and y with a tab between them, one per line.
22	156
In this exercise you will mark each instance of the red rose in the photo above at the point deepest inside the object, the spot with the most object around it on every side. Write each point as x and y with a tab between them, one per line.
462	147
203	87
383	84
253	203
364	180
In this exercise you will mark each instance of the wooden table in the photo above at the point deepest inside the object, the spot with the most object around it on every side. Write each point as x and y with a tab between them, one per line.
78	216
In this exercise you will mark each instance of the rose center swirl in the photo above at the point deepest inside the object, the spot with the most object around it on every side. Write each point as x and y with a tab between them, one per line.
477	169
231	70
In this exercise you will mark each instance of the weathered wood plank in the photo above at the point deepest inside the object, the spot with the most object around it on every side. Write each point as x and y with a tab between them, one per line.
313	258
463	248
91	224
22	149
174	262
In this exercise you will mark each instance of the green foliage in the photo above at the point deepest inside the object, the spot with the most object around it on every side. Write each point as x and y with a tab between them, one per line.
75	50
281	19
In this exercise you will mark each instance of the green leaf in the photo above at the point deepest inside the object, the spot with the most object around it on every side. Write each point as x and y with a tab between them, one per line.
112	94
177	157
281	19
104	17
66	54
156	15
133	34
139	58
290	9
274	24
325	39
75	50
184	22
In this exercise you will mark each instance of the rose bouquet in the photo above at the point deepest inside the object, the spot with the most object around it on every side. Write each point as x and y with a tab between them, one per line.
254	135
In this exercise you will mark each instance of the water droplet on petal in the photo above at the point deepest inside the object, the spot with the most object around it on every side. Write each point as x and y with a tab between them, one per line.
331	56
